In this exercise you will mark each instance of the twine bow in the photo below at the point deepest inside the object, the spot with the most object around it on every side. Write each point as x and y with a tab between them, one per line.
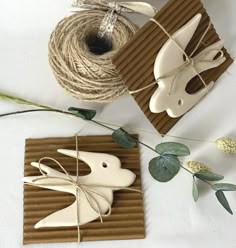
80	188
112	9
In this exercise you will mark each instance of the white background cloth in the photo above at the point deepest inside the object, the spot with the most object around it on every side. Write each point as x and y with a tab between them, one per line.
173	220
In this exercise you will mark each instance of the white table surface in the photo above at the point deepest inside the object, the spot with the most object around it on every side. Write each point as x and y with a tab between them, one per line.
173	220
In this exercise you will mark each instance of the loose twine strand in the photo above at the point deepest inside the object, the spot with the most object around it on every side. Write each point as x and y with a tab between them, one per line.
189	61
84	74
80	188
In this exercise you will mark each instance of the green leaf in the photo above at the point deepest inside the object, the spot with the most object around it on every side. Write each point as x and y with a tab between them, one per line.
86	114
172	148
208	176
195	191
164	168
224	187
223	201
124	139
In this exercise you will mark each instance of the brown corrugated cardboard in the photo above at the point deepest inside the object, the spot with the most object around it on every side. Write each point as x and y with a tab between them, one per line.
127	218
136	59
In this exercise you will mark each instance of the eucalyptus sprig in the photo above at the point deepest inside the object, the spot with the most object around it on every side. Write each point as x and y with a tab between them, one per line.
164	166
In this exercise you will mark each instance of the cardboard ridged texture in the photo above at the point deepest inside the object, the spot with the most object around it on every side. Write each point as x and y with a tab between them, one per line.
127	218
135	61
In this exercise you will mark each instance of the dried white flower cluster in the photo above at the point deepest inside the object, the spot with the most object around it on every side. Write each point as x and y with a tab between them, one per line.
226	145
195	167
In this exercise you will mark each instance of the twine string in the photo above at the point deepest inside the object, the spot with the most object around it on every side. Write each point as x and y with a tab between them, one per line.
87	189
189	60
112	9
82	64
101	5
78	188
81	59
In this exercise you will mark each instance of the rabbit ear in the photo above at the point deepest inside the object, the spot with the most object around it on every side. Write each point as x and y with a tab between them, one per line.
171	56
64	217
208	55
31	179
43	167
68	216
48	170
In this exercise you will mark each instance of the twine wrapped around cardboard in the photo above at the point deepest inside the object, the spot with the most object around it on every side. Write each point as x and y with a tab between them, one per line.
80	188
82	46
190	60
136	59
127	218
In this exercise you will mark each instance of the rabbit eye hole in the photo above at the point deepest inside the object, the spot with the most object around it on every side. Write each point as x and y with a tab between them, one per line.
104	165
180	102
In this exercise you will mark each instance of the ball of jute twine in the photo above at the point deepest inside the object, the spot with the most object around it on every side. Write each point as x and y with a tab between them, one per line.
82	63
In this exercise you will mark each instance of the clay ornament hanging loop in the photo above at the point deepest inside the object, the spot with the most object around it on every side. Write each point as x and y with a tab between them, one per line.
112	10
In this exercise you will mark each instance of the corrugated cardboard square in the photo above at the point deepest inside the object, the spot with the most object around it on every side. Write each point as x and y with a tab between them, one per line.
135	61
127	218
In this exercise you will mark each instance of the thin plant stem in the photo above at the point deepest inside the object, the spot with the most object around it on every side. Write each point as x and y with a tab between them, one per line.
18	100
149	147
105	125
102	125
163	135
186	169
35	110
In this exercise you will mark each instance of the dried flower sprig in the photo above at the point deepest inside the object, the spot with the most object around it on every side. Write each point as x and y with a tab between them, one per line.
166	165
226	145
195	167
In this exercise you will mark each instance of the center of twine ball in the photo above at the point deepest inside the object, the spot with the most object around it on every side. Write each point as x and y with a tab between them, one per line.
98	45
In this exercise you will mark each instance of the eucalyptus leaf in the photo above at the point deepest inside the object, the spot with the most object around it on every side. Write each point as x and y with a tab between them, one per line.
224	187
208	176
172	148
164	168
195	191
124	139
223	201
86	114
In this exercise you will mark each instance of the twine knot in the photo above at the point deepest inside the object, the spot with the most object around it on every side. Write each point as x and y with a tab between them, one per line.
191	62
76	184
